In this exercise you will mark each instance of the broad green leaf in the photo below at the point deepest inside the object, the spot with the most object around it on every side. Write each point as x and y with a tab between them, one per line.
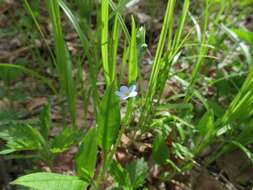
160	151
45	120
133	64
50	181
137	170
108	119
86	157
21	137
65	139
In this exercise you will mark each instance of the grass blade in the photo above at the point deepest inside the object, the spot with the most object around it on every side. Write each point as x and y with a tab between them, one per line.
115	43
157	64
64	65
30	72
104	39
133	65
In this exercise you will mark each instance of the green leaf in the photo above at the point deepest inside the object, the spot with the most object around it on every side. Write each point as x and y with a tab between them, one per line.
182	151
74	21
132	176
114	48
133	65
138	170
246	2
50	181
86	157
9	74
108	119
206	123
160	152
21	137
104	39
170	162
207	131
244	48
85	8
63	141
218	110
45	120
30	72
119	174
245	136
244	35
63	60
118	11
158	62
7	114
244	149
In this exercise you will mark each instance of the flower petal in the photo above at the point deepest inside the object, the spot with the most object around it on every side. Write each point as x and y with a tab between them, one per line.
133	94
124	97
132	88
119	93
124	89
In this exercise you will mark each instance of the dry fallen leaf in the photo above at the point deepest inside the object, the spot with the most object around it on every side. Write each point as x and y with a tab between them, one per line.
35	103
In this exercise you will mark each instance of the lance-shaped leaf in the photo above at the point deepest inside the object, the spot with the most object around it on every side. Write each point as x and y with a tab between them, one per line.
108	119
50	181
86	157
207	131
104	38
132	65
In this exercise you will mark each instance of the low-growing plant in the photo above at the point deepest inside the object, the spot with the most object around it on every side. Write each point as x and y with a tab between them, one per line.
180	132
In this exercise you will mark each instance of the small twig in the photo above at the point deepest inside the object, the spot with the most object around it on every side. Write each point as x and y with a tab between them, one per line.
15	53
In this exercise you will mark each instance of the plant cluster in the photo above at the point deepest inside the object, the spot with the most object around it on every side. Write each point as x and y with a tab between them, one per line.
107	76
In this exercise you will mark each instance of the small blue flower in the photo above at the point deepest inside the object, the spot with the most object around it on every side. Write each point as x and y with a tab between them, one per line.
125	92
